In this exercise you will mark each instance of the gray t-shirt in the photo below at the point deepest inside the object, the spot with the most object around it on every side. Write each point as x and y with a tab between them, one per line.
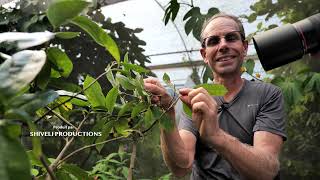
257	107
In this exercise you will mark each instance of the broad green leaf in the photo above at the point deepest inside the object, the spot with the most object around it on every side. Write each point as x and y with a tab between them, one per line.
12	130
34	172
18	71
122	126
104	134
249	65
166	122
125	108
94	92
213	90
166	78
13	159
62	175
43	77
291	90
135	68
314	83
41	100
98	34
61	60
138	109
33	159
59	12
23	116
148	117
125	82
111	79
126	58
111	99
75	171
67	35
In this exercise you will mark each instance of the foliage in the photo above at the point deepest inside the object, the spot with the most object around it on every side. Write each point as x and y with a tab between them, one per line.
26	98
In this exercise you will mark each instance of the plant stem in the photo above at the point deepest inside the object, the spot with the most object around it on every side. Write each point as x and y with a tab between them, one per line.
132	160
66	146
50	176
88	146
60	117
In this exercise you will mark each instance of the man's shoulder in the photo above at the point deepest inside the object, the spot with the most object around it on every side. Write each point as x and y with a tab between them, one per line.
263	87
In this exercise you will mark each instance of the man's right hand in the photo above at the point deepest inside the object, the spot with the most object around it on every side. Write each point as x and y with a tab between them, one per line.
160	95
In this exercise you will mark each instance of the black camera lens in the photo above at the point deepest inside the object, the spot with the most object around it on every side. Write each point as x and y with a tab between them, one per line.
288	43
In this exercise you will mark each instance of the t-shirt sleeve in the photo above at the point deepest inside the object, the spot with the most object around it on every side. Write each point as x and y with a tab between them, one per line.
186	123
271	116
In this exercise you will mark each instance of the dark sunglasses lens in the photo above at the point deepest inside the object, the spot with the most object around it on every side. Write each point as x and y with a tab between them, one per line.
213	40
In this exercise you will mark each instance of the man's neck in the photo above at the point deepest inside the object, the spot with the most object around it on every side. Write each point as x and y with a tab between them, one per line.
232	83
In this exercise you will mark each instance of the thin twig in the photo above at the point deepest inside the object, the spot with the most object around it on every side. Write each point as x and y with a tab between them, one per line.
88	146
132	160
67	145
60	117
49	170
94	81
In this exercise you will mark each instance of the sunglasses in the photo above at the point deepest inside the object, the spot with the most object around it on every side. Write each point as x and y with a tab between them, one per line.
215	40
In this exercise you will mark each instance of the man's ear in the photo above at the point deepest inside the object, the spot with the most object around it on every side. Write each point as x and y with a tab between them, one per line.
245	46
204	54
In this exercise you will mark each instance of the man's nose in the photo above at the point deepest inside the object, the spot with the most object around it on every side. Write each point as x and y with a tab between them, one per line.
223	45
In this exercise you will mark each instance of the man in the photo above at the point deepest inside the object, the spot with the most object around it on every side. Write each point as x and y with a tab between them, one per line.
237	136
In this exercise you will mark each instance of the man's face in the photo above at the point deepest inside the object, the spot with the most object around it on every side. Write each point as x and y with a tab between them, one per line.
225	52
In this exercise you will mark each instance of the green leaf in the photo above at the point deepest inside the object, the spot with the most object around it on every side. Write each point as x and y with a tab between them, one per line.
122	126
135	68
12	130
30	103
166	78
125	108
43	77
14	163
94	92
34	172
213	90
291	90
61	60
249	65
62	84
166	122
98	34
59	12
125	82
33	159
23	116
18	71
314	83
111	99
138	109
75	171
67	35
148	117
104	134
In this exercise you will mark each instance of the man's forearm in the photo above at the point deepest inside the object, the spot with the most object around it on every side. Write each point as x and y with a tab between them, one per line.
251	163
170	162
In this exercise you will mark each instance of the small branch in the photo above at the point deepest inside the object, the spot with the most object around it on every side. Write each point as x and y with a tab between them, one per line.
66	146
49	170
60	117
88	146
190	5
132	160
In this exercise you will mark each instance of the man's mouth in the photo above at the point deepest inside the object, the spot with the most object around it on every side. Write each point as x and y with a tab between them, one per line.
225	58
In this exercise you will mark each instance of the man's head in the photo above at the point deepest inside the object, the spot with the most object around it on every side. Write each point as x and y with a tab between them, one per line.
223	44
